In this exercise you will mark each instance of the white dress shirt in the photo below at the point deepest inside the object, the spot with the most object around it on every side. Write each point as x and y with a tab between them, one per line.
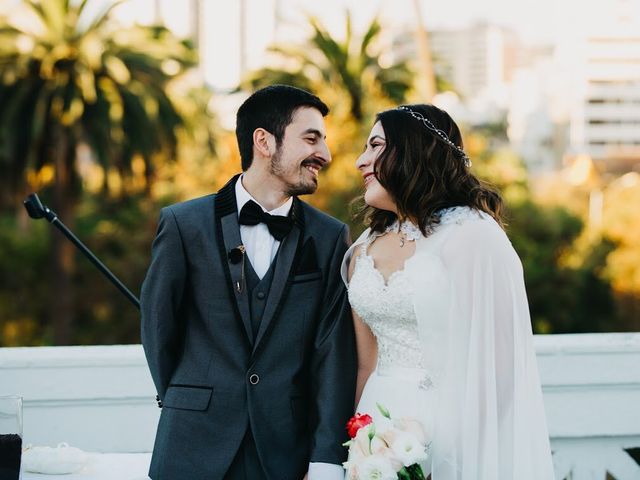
261	248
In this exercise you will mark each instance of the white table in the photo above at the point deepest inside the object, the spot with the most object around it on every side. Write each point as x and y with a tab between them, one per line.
105	466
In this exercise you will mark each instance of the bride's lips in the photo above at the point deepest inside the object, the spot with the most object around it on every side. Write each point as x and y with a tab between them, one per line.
368	178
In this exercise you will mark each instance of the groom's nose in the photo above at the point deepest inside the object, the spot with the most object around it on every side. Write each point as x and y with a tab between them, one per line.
324	152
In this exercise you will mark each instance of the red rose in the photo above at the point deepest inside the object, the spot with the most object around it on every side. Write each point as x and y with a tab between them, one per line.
356	422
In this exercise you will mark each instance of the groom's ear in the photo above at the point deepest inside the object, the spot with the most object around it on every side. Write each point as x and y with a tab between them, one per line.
264	143
308	262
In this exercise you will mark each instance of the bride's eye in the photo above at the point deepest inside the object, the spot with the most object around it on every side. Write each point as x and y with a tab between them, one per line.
373	146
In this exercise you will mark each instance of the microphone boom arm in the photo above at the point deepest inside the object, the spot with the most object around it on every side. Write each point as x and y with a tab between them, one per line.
37	210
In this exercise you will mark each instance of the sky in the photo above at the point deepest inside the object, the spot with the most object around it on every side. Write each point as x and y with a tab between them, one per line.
529	17
534	21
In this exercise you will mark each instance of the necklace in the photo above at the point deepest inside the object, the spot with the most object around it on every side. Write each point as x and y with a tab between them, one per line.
407	231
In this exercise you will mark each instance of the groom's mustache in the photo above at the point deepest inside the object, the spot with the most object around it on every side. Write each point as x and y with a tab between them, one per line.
315	162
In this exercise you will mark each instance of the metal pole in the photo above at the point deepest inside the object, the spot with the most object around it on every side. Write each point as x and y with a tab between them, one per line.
36	210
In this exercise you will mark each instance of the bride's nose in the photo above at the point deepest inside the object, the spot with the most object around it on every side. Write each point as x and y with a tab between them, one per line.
362	161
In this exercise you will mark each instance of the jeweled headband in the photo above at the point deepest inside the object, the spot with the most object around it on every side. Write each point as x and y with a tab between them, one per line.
439	133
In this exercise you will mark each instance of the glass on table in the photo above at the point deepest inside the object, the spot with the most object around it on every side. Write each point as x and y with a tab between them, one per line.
10	436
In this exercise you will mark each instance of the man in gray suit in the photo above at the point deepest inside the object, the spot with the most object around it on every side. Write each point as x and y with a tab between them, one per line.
245	321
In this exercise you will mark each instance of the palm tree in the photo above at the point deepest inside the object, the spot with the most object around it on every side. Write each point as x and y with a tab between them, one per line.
68	79
354	65
427	83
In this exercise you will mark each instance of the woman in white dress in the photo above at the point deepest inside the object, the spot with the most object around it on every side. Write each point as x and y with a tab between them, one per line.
441	315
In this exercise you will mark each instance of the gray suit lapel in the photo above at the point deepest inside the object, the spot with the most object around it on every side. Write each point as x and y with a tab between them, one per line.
228	230
232	239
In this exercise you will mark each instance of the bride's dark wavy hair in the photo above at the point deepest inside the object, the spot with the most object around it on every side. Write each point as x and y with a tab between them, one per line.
423	174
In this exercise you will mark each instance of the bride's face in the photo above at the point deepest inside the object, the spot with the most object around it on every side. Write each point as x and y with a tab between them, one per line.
375	194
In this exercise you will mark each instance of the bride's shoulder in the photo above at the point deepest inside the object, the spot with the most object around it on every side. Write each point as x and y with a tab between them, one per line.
462	215
353	253
470	230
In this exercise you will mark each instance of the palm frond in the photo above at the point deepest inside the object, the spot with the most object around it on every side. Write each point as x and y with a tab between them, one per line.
95	84
103	17
346	65
372	32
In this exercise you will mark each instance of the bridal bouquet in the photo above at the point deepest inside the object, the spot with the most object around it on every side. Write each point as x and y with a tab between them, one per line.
392	453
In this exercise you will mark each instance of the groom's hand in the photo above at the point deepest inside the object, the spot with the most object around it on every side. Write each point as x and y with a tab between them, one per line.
306	476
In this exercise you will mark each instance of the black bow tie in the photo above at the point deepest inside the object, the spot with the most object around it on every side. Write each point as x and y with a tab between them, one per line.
279	226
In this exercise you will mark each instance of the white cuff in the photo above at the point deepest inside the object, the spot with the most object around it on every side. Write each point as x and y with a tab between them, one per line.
325	471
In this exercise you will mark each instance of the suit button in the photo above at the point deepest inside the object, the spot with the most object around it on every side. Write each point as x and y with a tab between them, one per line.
261	295
254	379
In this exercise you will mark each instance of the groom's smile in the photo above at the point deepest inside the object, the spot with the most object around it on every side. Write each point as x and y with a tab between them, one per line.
302	153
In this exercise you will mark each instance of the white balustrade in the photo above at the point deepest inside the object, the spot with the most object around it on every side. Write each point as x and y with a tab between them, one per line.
101	398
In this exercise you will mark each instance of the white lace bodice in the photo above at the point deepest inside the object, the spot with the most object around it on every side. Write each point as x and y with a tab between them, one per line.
388	311
387	308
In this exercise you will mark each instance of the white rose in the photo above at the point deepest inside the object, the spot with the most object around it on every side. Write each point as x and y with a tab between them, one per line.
352	468
408	449
379	446
413	426
376	468
360	446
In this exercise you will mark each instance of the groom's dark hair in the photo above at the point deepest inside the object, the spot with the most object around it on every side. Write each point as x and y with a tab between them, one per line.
271	108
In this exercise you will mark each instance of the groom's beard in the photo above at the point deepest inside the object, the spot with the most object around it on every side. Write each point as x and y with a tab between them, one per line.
296	177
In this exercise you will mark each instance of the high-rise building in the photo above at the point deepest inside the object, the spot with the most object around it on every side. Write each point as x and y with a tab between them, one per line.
605	120
584	99
477	60
537	119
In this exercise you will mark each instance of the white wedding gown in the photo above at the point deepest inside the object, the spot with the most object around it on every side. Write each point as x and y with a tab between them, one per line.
455	349
399	383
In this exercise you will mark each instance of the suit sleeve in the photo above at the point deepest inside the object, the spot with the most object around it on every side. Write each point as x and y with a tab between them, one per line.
160	300
333	365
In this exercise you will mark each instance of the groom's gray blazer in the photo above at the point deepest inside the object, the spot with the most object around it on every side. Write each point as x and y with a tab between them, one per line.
292	385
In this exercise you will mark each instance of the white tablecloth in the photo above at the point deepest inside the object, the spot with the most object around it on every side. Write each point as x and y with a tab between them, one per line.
105	466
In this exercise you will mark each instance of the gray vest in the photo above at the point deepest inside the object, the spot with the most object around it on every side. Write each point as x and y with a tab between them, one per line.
258	291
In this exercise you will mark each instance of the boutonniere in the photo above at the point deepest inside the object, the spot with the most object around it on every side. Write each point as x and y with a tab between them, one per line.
236	255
